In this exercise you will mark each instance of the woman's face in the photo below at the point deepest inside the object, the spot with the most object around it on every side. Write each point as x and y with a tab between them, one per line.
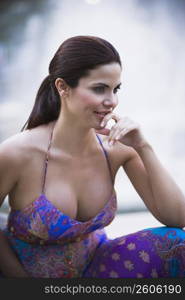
95	93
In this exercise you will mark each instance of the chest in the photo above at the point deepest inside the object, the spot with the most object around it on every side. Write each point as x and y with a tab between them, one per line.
79	188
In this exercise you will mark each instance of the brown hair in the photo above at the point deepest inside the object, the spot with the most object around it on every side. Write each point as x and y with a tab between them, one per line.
73	59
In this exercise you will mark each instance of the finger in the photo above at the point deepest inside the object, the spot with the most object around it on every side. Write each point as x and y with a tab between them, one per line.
118	128
109	117
121	133
112	131
124	131
115	133
123	126
115	137
105	120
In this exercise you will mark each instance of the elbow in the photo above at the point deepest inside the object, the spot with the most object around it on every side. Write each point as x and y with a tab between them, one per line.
172	223
171	218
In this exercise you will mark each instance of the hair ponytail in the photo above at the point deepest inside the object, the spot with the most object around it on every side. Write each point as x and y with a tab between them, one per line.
46	107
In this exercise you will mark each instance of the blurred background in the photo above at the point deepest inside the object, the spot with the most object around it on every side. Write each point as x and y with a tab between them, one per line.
150	37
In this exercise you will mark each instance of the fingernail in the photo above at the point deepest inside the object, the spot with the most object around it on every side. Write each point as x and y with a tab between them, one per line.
102	124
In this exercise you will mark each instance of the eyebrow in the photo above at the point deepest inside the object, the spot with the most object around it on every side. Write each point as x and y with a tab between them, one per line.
103	84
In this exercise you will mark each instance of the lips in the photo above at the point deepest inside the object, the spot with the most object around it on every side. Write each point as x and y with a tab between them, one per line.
102	112
99	115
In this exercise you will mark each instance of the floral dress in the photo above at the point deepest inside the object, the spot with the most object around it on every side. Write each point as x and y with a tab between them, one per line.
50	244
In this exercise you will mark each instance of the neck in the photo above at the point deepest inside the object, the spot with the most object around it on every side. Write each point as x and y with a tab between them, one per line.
73	138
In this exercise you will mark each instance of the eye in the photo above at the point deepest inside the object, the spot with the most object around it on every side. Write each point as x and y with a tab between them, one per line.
99	89
116	90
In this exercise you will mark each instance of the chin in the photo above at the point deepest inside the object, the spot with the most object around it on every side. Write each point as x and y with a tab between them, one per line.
98	127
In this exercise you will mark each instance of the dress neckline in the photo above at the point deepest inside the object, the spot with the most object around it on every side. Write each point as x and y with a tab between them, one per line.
42	197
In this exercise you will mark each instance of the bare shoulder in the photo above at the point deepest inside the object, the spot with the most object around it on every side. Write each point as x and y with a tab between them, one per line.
11	162
19	148
13	147
119	153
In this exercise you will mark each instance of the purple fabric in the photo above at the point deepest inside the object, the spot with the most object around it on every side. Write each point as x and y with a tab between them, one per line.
50	244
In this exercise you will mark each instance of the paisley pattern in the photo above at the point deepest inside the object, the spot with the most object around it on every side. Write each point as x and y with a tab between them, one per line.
50	244
149	253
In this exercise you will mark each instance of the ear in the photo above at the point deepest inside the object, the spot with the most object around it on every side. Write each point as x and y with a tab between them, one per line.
61	85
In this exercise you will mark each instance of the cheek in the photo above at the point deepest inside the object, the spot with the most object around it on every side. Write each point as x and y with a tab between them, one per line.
88	98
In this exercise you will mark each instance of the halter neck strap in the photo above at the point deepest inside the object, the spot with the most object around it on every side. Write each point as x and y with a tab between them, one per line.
47	159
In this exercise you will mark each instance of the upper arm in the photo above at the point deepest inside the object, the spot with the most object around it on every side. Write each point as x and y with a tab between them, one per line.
137	174
9	169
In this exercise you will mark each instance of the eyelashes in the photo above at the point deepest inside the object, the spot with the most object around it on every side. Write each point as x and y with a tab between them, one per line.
117	89
101	89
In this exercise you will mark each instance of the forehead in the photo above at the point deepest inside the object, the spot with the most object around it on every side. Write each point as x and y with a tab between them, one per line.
103	73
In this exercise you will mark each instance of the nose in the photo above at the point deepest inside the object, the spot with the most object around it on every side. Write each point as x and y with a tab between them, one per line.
110	103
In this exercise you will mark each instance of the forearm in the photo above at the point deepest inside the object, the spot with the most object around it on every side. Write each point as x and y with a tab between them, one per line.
9	264
167	196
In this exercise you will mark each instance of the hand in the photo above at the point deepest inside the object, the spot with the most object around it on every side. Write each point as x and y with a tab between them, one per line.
125	131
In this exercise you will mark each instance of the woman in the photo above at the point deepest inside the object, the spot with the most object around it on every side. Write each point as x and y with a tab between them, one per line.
56	222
